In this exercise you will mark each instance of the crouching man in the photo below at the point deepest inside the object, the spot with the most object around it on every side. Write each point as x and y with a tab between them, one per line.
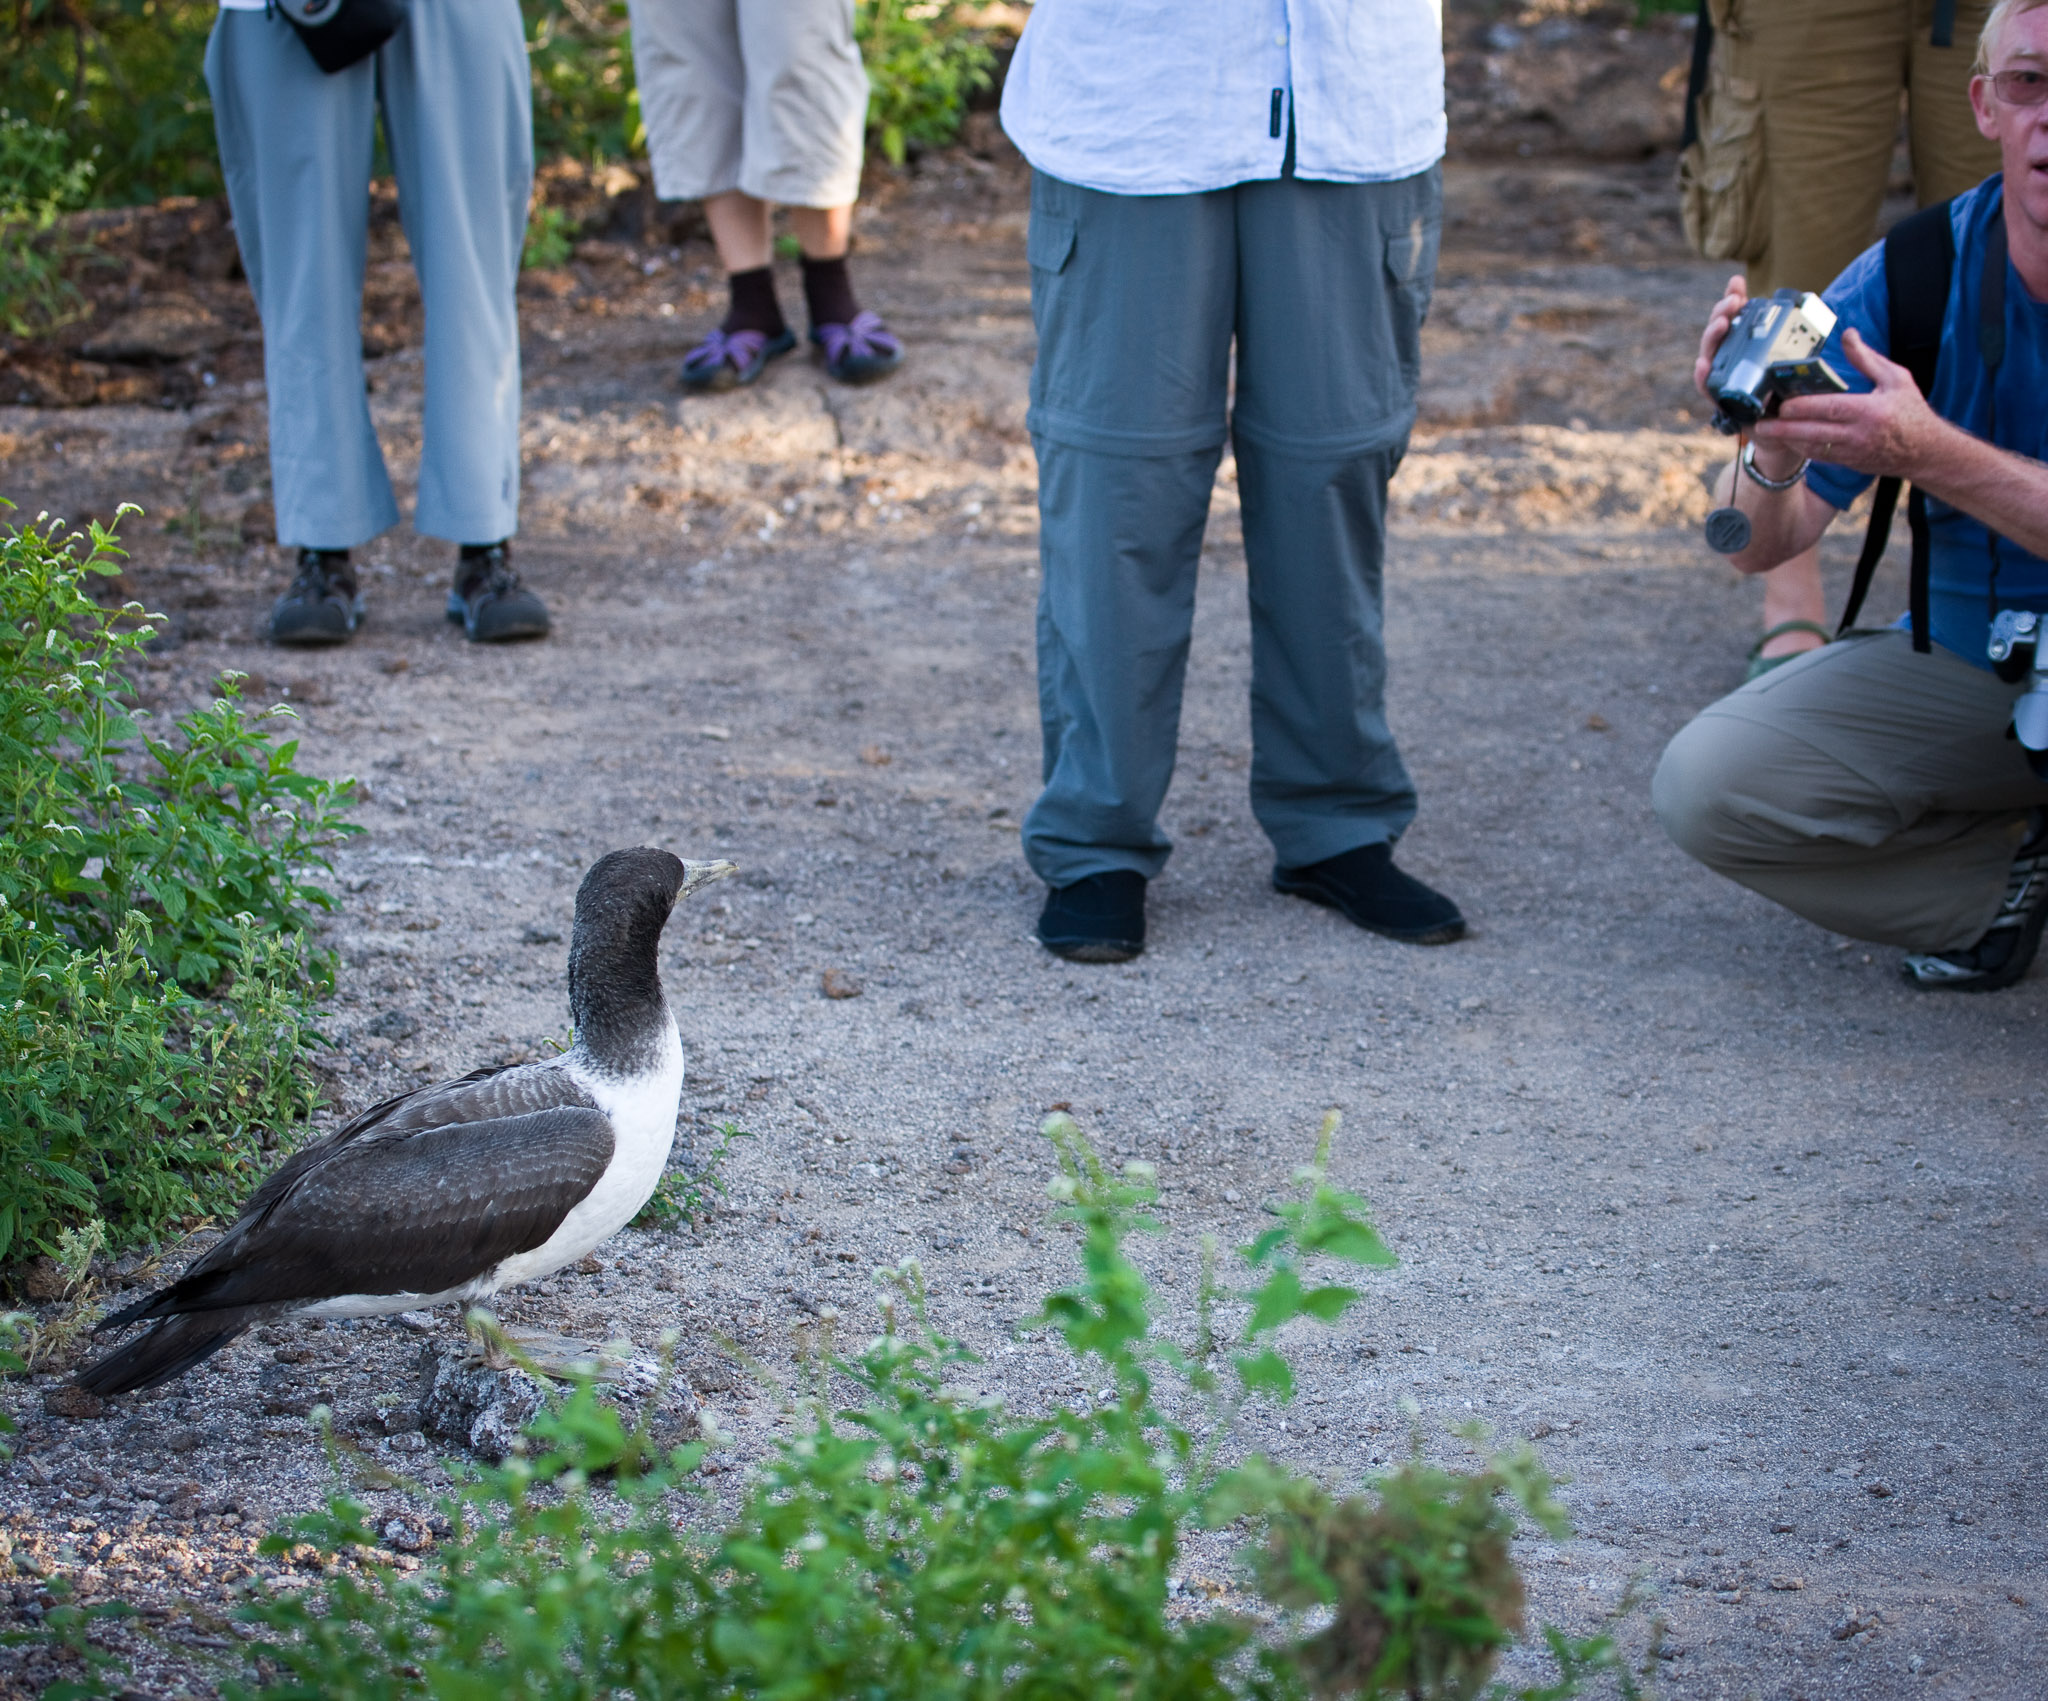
1871	786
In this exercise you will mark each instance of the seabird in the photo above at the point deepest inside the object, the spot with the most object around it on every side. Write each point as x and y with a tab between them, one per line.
452	1192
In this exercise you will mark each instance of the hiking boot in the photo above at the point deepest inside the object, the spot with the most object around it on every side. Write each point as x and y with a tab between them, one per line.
488	600
1098	919
2006	950
1365	887
323	606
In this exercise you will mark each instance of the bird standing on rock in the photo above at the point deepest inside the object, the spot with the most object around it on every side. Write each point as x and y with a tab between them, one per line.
453	1192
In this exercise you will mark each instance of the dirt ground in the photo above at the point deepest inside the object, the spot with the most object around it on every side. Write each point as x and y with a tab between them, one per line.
1742	1231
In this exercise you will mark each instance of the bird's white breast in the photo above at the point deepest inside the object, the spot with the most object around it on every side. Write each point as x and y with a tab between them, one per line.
642	1109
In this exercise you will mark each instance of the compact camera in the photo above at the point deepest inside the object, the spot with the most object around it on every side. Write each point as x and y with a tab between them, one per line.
1769	354
2016	651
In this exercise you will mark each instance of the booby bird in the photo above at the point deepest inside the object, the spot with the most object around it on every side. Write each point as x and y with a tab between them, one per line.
452	1192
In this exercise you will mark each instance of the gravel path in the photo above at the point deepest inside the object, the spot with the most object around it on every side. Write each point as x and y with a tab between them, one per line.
1742	1231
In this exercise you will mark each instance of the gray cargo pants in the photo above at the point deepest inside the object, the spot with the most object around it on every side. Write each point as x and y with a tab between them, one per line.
295	147
1871	790
1137	300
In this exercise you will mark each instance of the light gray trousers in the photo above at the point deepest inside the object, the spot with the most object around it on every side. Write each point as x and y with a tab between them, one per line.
1871	790
1138	301
296	146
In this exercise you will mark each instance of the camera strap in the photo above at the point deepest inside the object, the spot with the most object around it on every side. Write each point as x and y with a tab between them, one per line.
1919	258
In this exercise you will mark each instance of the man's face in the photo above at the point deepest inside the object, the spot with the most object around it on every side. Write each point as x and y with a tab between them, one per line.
2021	132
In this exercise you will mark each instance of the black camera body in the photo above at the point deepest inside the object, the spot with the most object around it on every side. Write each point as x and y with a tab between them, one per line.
1770	353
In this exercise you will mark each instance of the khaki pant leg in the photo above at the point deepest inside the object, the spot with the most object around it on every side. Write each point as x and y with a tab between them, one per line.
1871	790
1832	72
1949	155
806	102
686	57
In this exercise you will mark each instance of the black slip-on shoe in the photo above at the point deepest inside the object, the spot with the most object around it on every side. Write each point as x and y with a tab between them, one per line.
323	605
1099	919
2006	951
488	601
1365	887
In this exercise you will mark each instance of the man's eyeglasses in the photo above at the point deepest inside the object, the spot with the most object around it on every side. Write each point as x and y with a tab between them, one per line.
2021	88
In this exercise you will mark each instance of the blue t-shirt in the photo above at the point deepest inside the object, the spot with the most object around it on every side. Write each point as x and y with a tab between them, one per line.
1959	568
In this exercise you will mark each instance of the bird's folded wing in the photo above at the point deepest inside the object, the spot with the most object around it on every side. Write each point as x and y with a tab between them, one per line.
434	1193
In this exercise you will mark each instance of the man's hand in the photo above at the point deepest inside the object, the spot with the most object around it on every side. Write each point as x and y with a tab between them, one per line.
1891	432
1716	332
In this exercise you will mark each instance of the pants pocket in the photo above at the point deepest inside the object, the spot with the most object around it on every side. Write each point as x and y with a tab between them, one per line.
1723	193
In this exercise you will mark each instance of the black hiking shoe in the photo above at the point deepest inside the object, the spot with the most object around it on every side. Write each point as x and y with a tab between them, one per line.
1099	919
2006	951
323	606
488	601
1365	887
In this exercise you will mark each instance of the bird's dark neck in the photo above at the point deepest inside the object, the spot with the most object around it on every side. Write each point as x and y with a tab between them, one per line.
615	998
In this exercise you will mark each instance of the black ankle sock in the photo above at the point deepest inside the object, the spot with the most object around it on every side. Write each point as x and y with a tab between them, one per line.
754	307
828	292
336	564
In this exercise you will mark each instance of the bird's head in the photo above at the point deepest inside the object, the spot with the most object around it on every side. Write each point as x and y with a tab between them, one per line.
621	908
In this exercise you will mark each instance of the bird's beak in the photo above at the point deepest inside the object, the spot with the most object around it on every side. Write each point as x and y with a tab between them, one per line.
697	875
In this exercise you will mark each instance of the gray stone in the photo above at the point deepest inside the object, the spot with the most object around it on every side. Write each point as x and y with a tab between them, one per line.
483	1410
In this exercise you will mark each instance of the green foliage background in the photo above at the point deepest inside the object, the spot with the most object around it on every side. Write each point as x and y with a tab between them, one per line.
156	984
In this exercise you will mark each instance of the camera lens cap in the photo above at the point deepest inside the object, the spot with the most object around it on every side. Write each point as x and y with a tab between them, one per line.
1728	531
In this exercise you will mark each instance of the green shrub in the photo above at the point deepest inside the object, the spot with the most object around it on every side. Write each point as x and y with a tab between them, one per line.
98	817
125	79
585	104
39	180
924	60
136	872
921	1544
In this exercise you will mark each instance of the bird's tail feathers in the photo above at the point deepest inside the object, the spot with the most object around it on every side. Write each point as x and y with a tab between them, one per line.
170	1349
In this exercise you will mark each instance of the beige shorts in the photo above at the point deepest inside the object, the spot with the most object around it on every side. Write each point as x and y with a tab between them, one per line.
766	96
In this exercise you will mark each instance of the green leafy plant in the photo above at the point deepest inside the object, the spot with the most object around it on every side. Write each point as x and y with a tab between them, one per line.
921	1542
585	103
550	239
135	873
99	818
122	79
685	1195
925	58
40	179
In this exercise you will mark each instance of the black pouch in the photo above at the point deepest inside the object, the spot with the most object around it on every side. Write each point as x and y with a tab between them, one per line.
339	33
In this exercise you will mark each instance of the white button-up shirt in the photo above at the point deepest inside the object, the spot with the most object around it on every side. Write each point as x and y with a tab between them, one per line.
1174	97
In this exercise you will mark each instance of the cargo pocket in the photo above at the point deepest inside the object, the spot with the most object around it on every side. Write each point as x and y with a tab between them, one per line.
1050	242
1724	196
1411	281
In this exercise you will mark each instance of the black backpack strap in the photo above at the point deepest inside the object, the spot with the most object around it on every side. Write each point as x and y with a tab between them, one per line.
1919	258
1696	80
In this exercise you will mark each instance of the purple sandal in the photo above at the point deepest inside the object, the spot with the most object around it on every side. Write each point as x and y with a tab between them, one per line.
860	352
725	360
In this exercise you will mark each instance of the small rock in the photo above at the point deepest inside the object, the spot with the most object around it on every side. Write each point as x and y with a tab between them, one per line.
475	1407
540	936
393	1025
1597	723
407	1535
395	664
419	1322
837	983
875	756
1788	1585
182	1440
43	1279
717	734
68	1400
157	334
1878	1490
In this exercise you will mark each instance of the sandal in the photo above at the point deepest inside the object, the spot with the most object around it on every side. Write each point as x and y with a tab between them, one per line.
1761	664
725	360
860	352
